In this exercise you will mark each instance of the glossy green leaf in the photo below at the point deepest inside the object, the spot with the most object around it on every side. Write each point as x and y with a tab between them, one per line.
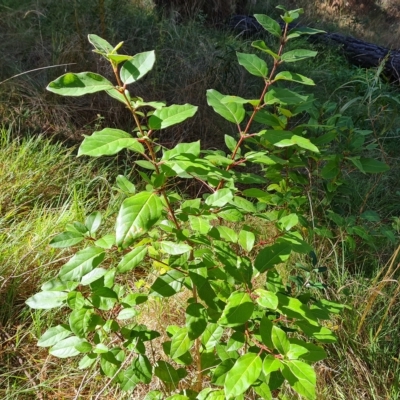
211	336
233	112
100	44
196	320
66	239
82	263
172	115
283	97
269	24
297	55
80	321
132	259
137	67
181	343
182	148
168	284
280	340
166	372
219	375
238	309
54	335
296	32
246	239
174	248
272	255
93	222
253	64
109	363
243	374
47	300
79	84
301	378
271	364
66	348
288	221
220	198
293	77
136	216
107	142
260	45
266	299
125	184
87	361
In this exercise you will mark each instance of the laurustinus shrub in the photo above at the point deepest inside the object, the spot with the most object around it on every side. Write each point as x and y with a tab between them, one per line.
247	328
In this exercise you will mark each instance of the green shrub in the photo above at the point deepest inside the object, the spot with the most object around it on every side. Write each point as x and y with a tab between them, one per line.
248	325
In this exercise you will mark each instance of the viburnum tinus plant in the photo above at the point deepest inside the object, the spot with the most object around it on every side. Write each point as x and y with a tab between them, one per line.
245	329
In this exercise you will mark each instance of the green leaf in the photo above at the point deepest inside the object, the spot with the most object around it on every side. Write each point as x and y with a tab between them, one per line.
168	284
110	363
196	320
271	364
136	216
310	351
233	112
125	184
47	300
253	64
230	142
246	239
104	298
267	299
80	321
284	97
66	347
66	239
127	313
320	333
296	32
211	336
219	375
301	378
137	67
174	248
297	55
266	332
331	169
238	309
260	45
106	242
87	361
107	142
80	84
269	24
132	259
54	335
81	264
172	115
280	340
181	343
93	222
243	374
166	372
272	255
293	77
100	44
288	222
370	165
219	198
182	148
